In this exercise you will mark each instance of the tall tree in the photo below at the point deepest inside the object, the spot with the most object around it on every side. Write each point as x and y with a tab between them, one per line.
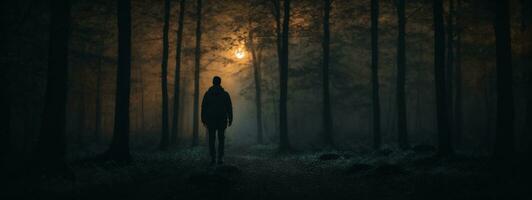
5	118
256	59
528	62
504	138
326	43
51	145
119	148
444	136
283	72
458	77
141	88
450	62
278	29
526	14
6	122
81	113
98	102
164	79
401	72
177	76
375	74
197	59
526	19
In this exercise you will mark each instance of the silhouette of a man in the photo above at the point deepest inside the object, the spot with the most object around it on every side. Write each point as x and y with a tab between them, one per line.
216	115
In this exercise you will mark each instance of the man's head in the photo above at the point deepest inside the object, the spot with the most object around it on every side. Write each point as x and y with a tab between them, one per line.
216	80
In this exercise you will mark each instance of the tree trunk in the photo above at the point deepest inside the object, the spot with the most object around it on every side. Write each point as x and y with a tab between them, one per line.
256	62
164	79
488	111
81	124
98	103
450	63
523	15
528	119
283	139
278	30
444	139
197	59
177	76
458	79
526	14
327	118
51	145
504	138
182	118
278	34
276	120
5	126
526	52
275	111
375	74
142	121
401	65
119	148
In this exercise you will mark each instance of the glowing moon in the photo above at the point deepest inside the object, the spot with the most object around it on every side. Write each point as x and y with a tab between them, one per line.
239	54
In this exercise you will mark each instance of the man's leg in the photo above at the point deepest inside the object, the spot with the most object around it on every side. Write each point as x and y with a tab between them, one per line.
212	142
221	142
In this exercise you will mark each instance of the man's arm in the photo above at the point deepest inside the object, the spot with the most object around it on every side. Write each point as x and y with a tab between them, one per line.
229	109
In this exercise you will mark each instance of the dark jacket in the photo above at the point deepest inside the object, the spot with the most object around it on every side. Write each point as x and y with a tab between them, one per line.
216	108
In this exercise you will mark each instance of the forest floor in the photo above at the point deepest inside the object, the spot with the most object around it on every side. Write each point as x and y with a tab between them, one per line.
260	172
